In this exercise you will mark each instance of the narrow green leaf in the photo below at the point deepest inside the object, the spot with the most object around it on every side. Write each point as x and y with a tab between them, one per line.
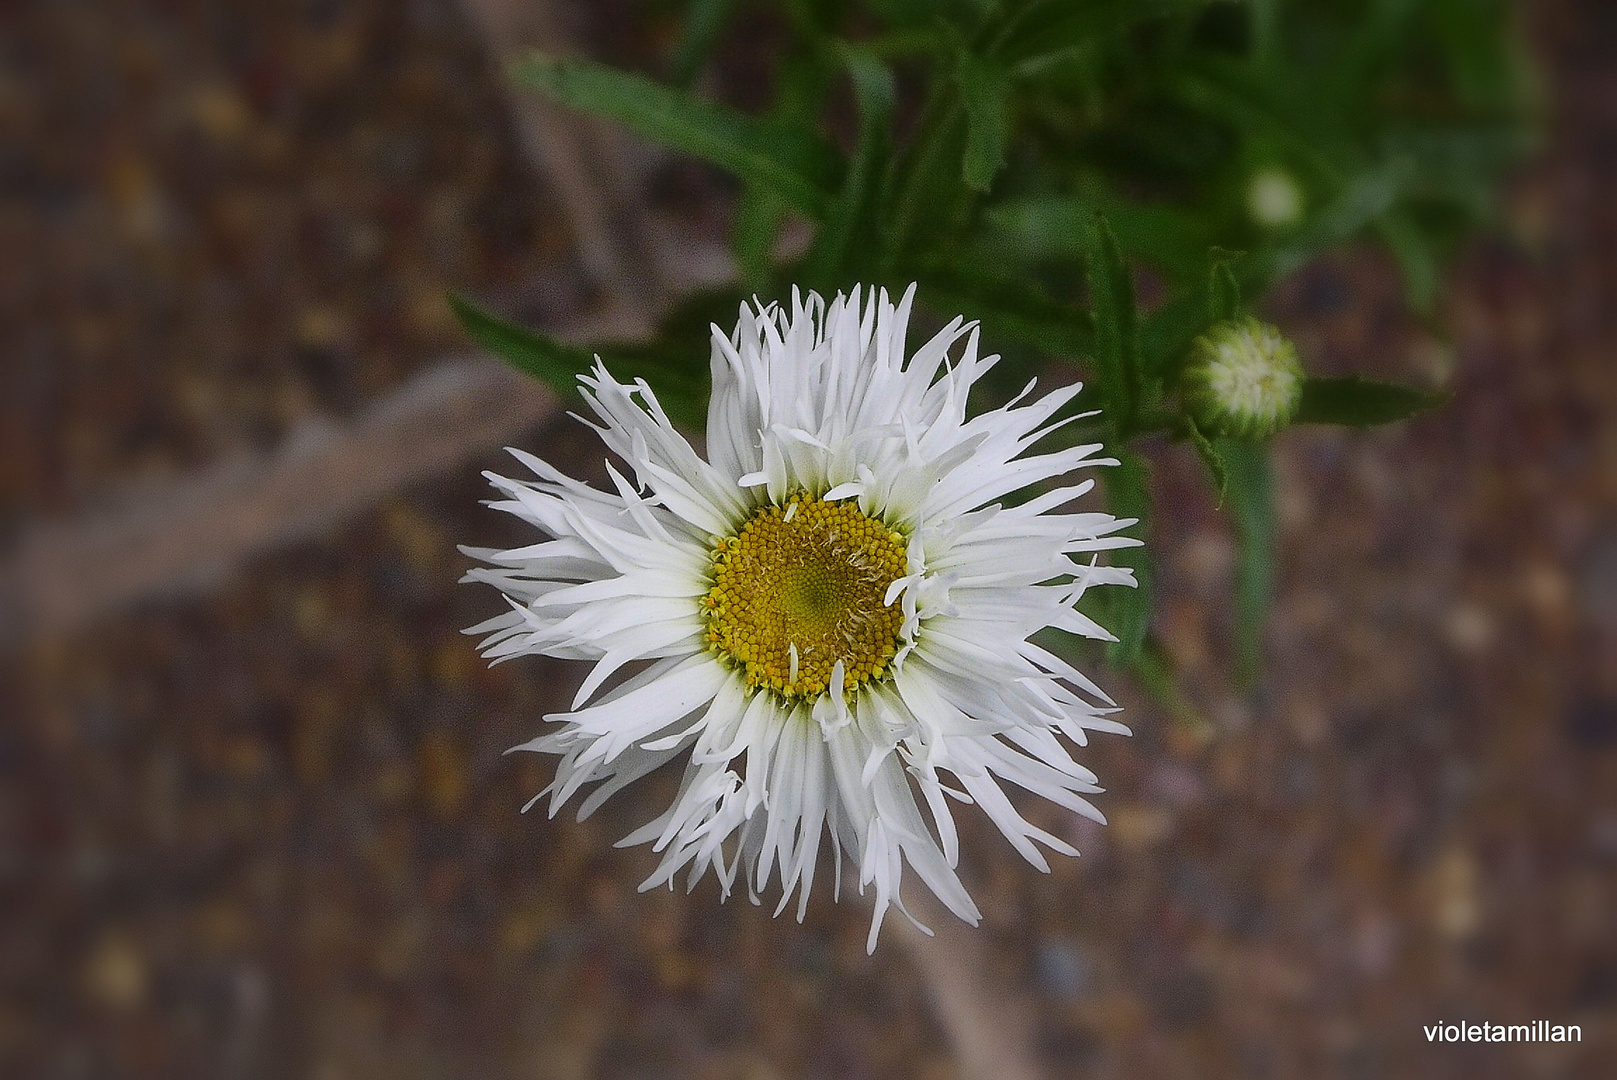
1128	496
758	216
1167	333
1358	402
1360	201
1265	29
551	362
985	93
1117	346
704	20
924	204
1048	31
1251	505
800	87
1041	226
1166	237
1011	308
1417	259
960	16
1210	457
1379	35
1274	104
1484	64
1223	293
842	250
785	157
1154	670
1459	163
674	366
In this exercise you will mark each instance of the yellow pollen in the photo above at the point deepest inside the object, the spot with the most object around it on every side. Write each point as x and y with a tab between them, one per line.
800	587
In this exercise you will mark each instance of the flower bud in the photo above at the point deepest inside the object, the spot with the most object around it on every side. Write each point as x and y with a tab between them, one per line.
1242	380
1274	199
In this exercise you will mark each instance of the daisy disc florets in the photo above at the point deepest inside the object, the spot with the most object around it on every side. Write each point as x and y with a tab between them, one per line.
827	619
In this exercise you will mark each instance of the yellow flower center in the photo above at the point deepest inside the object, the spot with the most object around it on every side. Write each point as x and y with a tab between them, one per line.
801	586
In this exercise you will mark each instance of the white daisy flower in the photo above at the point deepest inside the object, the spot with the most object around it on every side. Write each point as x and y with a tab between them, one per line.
831	614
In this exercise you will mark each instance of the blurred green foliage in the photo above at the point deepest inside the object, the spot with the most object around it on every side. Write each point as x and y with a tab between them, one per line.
1025	161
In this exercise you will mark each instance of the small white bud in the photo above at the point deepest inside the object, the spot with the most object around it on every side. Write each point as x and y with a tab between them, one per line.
1274	199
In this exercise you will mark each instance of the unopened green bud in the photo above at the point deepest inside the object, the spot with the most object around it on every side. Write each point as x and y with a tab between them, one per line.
1242	380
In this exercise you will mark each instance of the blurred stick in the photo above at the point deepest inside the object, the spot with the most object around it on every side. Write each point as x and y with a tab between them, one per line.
194	533
990	1023
582	160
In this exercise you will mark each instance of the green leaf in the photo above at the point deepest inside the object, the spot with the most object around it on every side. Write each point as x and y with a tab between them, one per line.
1251	505
1377	39
985	92
1167	333
1154	670
1359	202
1117	345
1223	292
675	366
1417	260
1483	62
1459	163
551	362
1210	457
785	157
1275	105
1128	496
1010	307
925	207
1265	29
1041	226
704	20
959	15
758	215
1161	235
843	251
1358	402
800	86
1170	238
1048	31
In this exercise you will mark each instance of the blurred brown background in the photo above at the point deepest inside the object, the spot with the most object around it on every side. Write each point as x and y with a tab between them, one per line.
254	817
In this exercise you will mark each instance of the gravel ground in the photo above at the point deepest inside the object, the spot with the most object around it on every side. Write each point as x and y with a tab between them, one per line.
270	833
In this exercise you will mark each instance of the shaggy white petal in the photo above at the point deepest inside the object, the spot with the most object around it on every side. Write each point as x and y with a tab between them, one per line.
826	402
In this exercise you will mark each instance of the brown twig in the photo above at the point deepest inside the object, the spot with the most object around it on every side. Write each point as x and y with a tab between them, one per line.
197	531
583	161
989	1021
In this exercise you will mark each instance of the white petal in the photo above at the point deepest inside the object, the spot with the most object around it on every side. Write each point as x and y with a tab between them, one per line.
823	397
